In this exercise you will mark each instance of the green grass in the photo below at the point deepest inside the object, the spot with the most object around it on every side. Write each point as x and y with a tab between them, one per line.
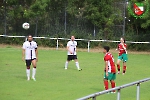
55	83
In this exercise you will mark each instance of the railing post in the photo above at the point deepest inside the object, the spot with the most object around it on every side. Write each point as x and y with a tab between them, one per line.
26	38
118	95
94	98
88	46
57	44
138	92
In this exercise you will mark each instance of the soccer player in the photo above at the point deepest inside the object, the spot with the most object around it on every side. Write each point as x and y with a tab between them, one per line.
29	55
122	47
72	54
110	69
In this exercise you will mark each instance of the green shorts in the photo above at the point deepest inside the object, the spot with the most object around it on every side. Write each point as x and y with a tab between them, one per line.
123	57
111	76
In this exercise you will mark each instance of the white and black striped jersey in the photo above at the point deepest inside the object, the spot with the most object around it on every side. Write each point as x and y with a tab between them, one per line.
30	48
72	47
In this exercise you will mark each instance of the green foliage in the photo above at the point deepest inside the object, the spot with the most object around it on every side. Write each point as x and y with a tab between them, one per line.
98	12
80	17
11	41
139	47
38	8
141	23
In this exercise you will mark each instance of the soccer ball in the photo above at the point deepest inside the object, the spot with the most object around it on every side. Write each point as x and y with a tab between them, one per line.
26	25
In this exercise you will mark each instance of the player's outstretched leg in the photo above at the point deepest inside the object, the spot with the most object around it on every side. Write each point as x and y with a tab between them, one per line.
66	64
124	68
33	73
118	65
77	65
106	84
113	84
28	73
34	70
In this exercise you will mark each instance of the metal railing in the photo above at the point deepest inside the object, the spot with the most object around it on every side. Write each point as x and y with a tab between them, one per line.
94	95
88	41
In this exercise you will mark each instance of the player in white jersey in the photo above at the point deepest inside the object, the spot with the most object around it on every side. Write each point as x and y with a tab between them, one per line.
72	54
29	55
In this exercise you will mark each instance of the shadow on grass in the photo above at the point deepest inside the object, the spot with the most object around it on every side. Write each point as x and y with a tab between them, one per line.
21	77
97	89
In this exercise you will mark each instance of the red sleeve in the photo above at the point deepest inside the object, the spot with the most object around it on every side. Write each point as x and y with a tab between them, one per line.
106	58
125	45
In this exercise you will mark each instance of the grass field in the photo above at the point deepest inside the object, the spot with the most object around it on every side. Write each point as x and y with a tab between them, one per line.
55	83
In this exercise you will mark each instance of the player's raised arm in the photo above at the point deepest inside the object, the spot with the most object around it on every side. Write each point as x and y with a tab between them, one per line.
123	46
122	43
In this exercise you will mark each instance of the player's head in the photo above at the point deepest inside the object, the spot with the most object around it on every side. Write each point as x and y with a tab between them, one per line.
122	40
30	38
106	49
72	38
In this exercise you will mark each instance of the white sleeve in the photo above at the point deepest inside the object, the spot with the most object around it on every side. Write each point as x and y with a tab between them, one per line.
36	45
68	44
24	46
76	44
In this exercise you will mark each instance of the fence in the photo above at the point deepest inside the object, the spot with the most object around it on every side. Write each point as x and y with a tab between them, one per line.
87	40
55	22
93	96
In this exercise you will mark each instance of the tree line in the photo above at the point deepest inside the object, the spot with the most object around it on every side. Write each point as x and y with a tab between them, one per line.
90	19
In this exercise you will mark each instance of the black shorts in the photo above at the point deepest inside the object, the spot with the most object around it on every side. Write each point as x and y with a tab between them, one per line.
28	62
71	57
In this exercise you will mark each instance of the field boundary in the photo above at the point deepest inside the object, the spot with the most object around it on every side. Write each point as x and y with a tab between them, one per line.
94	95
88	49
76	39
96	50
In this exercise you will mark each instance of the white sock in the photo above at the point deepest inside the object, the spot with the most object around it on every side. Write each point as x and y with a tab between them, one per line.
28	73
77	65
66	64
33	72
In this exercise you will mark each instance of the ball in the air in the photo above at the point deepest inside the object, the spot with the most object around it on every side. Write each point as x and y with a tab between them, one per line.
26	25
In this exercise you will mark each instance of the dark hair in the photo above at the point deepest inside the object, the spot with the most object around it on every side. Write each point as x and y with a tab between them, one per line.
29	35
123	39
106	48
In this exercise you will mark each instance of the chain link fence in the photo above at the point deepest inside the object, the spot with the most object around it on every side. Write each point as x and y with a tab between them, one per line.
57	24
62	24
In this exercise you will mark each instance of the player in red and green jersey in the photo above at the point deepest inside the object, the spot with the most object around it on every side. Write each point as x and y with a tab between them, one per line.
110	69
122	48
